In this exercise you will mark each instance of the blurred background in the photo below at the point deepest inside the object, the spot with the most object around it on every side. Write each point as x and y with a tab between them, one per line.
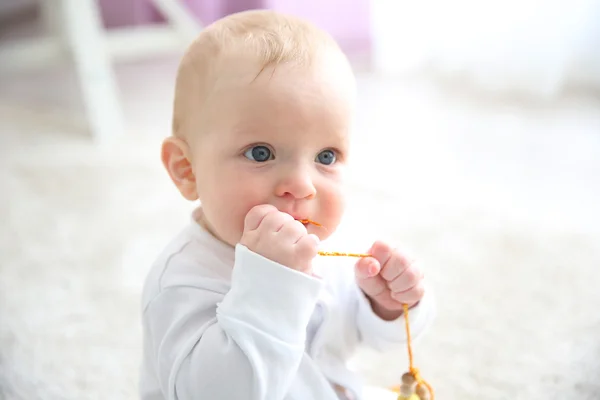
477	147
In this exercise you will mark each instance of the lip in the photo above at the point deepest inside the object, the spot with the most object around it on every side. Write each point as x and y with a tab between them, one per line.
296	216
303	218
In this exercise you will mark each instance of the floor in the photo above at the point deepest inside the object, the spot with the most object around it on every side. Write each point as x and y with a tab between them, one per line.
497	198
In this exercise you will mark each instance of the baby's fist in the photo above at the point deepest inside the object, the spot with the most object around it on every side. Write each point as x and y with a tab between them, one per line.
277	236
389	280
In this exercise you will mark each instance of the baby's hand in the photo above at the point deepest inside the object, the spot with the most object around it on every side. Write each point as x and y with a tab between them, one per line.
280	238
389	280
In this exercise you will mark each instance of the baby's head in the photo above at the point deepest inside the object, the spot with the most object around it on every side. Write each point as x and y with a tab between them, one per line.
262	113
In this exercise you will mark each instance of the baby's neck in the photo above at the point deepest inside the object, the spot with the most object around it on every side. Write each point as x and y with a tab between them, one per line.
198	216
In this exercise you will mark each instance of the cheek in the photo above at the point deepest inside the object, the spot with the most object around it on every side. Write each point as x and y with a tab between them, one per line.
332	205
228	184
226	198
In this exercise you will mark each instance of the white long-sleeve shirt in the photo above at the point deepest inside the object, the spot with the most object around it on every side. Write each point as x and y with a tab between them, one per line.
223	323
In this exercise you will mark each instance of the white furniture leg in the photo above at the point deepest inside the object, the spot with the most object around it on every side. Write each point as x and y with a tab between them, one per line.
179	18
50	15
75	27
86	40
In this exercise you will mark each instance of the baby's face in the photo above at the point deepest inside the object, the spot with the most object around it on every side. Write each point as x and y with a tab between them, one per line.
281	139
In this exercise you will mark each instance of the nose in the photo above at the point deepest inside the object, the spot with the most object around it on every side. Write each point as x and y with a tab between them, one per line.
296	183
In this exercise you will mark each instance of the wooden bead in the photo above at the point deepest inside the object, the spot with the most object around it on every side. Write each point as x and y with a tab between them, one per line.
408	379
423	392
407	390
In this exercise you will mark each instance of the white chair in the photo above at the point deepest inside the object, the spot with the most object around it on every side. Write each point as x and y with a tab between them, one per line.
75	30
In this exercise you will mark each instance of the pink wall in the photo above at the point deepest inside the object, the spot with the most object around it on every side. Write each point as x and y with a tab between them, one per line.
118	13
347	21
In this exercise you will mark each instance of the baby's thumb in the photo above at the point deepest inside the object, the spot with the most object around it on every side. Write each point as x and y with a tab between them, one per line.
367	267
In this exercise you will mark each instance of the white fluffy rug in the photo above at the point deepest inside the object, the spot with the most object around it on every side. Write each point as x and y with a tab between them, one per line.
500	204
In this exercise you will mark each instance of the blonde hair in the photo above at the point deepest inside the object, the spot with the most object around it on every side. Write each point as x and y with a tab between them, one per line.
270	38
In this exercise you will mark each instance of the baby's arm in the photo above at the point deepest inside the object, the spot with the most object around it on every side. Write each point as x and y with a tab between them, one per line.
245	345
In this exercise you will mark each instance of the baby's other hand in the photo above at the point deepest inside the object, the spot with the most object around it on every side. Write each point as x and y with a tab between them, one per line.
280	238
389	280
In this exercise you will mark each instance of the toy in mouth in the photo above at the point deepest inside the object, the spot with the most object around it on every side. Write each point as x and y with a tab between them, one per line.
306	222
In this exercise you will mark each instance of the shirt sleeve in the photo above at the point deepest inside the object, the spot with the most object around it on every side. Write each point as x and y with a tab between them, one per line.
381	334
246	344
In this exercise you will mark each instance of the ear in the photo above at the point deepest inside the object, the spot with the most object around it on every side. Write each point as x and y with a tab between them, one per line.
175	156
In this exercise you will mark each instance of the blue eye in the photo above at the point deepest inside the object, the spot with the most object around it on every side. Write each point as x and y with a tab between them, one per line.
259	154
326	157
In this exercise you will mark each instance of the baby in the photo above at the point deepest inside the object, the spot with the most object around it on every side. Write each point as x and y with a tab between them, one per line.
237	306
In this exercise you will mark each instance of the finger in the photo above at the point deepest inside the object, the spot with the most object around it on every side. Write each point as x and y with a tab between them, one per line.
374	286
367	267
381	252
395	266
308	245
255	216
292	231
406	280
410	296
274	221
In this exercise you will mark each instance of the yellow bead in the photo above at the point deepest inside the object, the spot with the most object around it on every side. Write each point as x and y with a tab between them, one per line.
411	397
406	390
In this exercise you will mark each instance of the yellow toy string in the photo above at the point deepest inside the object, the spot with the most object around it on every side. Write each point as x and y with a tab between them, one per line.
338	254
412	369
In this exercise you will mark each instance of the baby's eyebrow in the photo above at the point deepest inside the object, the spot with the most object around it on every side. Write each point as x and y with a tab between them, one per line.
261	131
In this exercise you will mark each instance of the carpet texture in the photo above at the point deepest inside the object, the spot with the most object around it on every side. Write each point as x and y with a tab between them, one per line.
498	202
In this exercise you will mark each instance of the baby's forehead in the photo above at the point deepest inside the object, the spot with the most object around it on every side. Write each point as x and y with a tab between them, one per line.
246	49
297	121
